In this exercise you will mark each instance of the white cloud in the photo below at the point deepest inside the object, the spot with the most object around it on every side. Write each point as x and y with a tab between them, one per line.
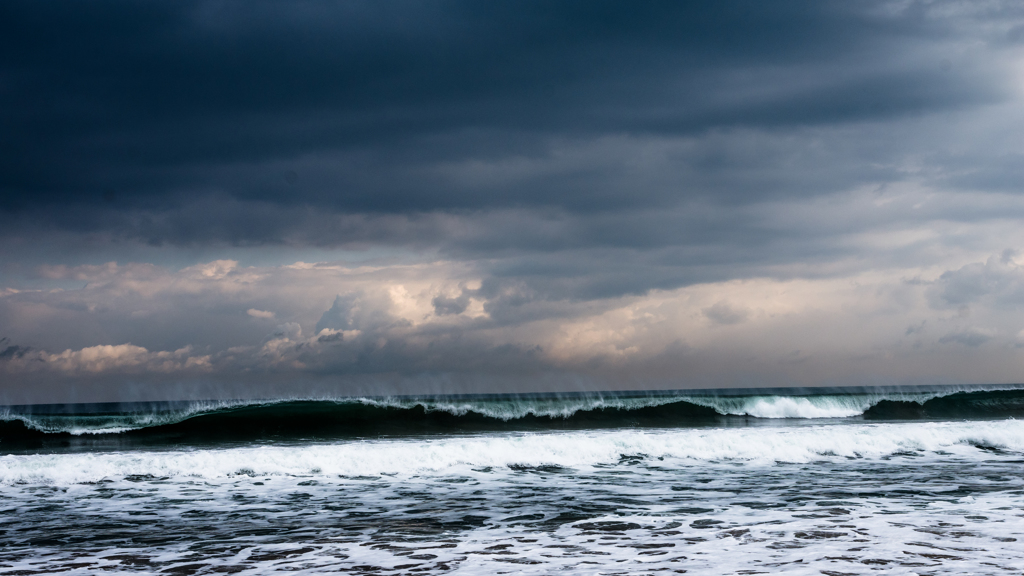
259	313
111	358
410	319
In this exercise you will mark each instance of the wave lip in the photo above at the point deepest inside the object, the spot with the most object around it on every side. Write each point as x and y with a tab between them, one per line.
65	420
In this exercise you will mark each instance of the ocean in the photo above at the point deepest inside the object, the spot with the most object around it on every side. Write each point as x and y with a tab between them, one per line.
813	481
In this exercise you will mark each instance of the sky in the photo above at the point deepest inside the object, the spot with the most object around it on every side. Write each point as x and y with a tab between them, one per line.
216	198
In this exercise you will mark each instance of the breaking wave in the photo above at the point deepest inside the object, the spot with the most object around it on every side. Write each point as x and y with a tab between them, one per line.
375	416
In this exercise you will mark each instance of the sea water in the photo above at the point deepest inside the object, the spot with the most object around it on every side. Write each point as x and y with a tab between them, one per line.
900	482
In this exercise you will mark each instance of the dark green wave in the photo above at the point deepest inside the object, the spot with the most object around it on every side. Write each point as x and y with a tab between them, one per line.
35	428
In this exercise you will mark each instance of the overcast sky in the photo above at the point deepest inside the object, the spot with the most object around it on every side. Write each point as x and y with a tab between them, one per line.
203	198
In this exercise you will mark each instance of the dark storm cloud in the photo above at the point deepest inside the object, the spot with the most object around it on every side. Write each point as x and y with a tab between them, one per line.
128	110
507	195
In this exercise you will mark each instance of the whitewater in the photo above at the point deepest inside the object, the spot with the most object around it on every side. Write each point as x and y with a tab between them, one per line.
905	482
611	407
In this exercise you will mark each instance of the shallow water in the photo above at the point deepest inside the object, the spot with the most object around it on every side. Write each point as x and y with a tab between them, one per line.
837	498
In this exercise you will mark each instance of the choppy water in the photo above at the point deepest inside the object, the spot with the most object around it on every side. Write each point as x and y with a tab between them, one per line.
650	488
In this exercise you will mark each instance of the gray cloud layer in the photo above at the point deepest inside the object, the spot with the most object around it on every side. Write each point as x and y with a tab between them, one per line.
548	162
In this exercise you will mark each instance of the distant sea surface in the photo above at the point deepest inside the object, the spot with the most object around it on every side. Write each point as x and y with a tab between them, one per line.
812	481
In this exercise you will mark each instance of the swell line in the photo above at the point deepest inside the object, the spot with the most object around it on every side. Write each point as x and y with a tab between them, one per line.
326	417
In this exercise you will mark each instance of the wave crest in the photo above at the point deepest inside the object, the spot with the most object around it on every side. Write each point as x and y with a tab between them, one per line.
397	415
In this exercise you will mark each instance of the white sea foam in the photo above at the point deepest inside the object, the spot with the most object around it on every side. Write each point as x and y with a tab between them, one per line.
801	406
755	445
906	498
